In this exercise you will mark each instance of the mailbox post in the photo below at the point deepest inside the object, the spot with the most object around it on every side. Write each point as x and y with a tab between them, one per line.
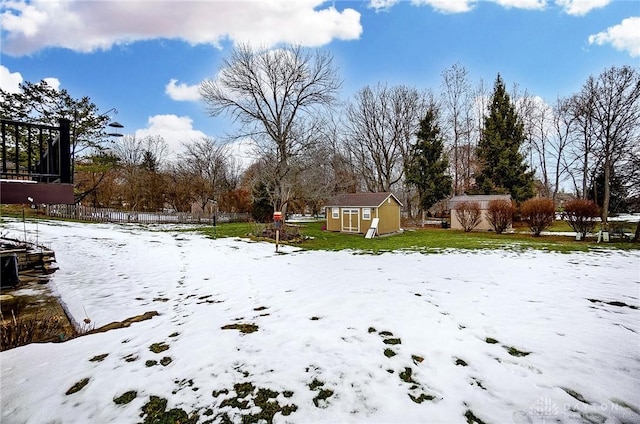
277	222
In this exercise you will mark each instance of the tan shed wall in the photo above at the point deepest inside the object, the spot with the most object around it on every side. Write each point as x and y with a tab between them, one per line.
484	225
333	224
388	213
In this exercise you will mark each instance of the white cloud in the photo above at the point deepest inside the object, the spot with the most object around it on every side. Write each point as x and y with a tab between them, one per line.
174	129
53	83
447	6
382	4
459	6
581	7
86	26
523	4
181	91
10	81
624	36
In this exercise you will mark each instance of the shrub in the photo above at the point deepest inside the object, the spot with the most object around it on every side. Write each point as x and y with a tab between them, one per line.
469	215
539	214
500	214
582	215
21	331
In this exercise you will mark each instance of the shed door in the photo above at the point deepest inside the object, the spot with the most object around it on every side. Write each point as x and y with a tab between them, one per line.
351	220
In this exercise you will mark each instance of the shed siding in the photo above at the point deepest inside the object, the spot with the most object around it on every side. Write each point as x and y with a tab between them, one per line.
388	213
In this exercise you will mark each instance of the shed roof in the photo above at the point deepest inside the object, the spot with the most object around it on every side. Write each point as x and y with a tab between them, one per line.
361	199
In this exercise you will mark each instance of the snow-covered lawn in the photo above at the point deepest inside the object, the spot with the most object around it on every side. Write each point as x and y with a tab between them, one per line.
494	336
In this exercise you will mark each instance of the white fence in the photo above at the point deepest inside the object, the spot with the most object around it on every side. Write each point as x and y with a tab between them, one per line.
86	213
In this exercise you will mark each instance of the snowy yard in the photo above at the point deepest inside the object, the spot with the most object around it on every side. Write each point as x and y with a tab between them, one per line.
491	336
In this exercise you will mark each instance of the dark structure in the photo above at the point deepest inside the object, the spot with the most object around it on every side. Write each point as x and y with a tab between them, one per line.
36	163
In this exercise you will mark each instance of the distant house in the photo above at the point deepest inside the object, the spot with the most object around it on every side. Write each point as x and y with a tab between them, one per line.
355	212
483	200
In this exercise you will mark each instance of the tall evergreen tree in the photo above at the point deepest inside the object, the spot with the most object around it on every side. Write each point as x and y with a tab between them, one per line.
427	165
503	169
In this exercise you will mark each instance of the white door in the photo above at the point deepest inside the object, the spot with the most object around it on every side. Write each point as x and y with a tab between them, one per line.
351	220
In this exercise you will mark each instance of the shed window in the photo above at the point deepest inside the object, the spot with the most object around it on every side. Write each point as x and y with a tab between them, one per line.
366	213
335	213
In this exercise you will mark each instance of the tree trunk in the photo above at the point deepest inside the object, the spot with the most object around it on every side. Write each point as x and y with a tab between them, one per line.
607	193
636	237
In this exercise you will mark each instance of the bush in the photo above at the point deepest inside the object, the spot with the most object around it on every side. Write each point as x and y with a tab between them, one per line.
469	215
500	214
21	331
539	214
582	215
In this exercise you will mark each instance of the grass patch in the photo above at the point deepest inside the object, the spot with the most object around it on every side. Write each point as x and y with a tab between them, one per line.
417	359
320	401
77	387
577	396
471	418
243	328
99	358
158	347
515	352
427	239
491	340
406	375
125	398
131	358
315	384
461	362
262	398
155	411
389	353
233	229
166	361
613	303
151	363
392	341
421	398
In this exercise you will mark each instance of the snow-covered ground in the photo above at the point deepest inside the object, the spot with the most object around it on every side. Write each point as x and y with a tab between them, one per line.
525	337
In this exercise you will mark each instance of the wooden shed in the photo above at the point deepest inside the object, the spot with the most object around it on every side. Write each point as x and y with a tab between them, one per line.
483	200
356	212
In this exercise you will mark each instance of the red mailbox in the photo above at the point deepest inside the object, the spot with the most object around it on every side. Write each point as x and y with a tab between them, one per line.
277	216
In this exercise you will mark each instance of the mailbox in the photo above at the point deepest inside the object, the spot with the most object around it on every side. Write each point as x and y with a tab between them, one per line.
277	216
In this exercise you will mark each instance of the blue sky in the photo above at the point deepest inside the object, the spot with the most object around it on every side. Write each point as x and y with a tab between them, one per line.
146	57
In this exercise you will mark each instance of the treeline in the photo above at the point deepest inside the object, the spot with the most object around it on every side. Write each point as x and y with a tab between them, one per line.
422	144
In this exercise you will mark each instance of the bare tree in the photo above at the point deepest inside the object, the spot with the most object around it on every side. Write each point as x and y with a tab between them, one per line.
380	125
140	164
457	106
613	109
563	134
537	117
207	164
276	97
582	147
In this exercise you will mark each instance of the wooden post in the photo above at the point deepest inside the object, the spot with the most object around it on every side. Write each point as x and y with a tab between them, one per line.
277	221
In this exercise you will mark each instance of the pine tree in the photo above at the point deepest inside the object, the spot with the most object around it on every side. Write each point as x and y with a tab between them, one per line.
503	169
427	165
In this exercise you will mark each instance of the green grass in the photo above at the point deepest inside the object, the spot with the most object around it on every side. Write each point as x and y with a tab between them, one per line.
428	239
437	239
